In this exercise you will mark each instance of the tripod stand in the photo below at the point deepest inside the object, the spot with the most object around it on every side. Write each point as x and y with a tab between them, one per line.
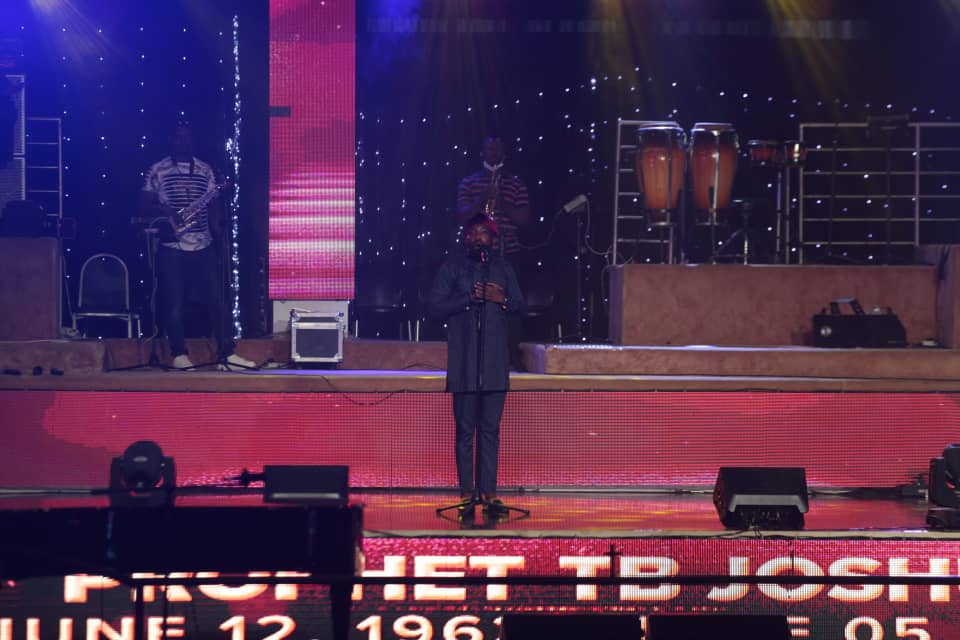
492	510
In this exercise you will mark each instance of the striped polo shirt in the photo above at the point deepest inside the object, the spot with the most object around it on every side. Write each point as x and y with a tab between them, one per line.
512	192
179	184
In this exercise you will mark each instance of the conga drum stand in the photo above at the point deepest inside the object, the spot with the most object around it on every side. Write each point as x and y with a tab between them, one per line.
714	191
665	226
660	165
794	157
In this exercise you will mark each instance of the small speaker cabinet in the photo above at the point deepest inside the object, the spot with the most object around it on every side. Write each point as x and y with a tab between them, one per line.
316	338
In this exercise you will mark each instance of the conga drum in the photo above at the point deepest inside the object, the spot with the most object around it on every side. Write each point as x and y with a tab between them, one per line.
713	162
660	163
794	153
764	153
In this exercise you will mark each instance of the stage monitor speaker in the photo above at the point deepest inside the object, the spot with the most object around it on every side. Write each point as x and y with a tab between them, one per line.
570	627
306	484
943	490
762	497
727	627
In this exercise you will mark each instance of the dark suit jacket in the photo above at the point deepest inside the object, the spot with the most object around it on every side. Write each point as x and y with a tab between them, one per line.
449	300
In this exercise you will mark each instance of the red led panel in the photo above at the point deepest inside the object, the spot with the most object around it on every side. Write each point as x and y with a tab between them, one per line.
547	438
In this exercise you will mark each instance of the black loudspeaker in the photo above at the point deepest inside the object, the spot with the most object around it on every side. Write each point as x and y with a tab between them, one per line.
763	497
694	627
943	490
306	484
570	627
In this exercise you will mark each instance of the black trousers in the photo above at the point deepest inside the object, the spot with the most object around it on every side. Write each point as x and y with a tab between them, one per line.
177	272
478	414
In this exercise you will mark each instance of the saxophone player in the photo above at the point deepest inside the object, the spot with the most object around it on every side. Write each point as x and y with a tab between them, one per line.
503	197
189	261
498	194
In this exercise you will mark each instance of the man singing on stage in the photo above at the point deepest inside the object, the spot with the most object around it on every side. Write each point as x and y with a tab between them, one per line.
473	292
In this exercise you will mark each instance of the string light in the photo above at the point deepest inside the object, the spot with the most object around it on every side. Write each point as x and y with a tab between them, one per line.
233	152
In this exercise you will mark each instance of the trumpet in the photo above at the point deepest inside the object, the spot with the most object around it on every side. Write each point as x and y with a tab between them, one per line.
491	204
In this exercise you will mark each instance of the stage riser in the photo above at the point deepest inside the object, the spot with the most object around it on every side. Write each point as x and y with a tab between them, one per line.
549	439
818	612
875	364
766	305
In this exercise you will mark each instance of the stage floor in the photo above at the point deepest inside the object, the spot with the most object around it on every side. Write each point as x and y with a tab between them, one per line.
648	514
572	513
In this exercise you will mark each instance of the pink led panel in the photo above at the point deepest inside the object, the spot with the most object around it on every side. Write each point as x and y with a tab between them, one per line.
312	98
547	438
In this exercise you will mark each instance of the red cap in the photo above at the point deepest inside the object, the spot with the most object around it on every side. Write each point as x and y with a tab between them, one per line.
485	220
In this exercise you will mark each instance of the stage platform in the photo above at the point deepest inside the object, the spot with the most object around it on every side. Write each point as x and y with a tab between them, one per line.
667	417
384	365
613	450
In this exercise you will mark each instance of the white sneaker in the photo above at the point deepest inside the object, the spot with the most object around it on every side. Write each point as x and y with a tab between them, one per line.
239	361
182	362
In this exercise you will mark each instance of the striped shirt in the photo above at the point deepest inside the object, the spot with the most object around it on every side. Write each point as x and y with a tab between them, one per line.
512	192
178	185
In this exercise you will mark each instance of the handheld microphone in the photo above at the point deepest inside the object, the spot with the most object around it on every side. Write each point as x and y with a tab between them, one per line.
484	255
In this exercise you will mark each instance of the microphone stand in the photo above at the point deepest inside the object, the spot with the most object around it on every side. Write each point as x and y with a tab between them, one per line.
481	333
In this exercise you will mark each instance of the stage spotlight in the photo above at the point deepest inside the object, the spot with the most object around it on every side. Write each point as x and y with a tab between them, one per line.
943	492
761	497
142	477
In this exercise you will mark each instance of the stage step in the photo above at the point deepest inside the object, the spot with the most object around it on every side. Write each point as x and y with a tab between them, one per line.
23	357
91	356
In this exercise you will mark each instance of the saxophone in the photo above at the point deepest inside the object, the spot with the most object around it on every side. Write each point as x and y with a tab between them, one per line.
490	207
183	218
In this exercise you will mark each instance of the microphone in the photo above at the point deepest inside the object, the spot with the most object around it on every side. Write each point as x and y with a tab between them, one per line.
484	255
575	204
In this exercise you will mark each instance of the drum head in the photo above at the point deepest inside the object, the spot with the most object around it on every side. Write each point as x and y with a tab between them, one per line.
712	126
659	123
